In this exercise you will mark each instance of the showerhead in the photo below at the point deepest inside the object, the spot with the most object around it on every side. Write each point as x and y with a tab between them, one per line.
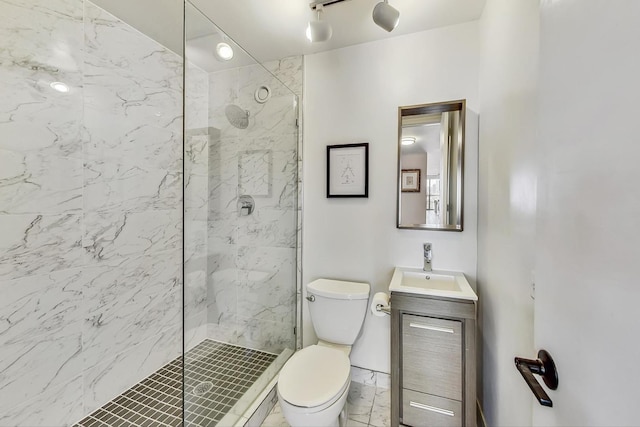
238	117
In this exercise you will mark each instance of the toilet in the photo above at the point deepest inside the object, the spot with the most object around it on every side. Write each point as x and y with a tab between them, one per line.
314	383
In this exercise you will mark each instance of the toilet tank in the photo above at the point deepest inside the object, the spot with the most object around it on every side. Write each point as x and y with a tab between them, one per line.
338	309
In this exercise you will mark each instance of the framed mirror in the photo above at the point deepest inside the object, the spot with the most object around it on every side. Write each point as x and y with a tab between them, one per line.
431	166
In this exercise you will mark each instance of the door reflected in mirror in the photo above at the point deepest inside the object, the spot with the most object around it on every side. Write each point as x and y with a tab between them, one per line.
430	166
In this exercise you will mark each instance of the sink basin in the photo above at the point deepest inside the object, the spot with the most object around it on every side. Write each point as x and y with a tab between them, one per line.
448	284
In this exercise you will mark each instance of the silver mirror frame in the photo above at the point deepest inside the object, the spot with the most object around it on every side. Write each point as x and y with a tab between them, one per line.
437	107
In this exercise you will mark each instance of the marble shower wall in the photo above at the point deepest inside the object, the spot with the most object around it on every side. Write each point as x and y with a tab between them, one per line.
198	137
251	293
90	209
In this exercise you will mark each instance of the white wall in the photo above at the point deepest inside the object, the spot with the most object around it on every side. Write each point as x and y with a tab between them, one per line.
507	204
352	95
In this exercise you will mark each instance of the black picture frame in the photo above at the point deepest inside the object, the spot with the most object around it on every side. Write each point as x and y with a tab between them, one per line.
348	174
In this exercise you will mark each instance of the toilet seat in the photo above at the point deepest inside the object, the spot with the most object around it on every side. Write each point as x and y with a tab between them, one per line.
314	377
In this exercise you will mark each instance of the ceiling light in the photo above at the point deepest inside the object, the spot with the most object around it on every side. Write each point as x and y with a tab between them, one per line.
319	30
59	86
224	51
408	140
386	16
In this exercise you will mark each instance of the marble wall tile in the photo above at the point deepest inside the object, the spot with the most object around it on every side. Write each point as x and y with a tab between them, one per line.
276	117
195	284
196	97
255	175
33	183
268	227
61	406
196	152
36	365
116	186
129	300
222	293
38	244
196	201
264	335
223	328
266	296
195	329
115	374
383	380
195	243
266	283
289	71
132	96
223	91
33	116
115	234
363	376
35	306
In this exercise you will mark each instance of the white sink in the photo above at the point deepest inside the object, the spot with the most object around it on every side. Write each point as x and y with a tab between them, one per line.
448	284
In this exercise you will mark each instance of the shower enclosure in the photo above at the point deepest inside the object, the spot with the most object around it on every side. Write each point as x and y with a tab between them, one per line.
241	164
148	216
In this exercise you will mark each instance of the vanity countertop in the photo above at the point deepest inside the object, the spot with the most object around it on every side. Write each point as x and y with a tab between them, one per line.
437	283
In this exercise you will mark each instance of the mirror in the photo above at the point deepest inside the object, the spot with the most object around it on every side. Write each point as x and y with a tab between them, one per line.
430	166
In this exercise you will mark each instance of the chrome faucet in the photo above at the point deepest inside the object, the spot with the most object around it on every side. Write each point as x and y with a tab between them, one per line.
427	256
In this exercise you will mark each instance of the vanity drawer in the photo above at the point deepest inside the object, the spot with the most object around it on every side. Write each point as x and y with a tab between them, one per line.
419	409
432	356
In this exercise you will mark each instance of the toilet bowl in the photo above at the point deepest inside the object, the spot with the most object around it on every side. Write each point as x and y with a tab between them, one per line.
314	383
313	386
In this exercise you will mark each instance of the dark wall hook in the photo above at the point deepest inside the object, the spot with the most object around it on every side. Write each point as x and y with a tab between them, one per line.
544	367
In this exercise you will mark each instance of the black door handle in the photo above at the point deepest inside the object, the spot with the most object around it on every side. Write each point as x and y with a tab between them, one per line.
544	367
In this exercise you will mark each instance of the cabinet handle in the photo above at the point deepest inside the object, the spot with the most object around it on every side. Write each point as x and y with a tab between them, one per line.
431	328
431	408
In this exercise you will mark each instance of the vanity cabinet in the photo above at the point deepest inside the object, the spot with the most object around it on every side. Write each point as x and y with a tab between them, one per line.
433	359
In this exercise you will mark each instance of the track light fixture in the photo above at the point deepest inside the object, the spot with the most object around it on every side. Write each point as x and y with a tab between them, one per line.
386	16
319	30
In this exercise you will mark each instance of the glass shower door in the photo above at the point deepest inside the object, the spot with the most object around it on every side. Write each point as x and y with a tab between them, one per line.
240	222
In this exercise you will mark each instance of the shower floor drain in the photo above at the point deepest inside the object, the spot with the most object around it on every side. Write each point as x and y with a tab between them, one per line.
202	388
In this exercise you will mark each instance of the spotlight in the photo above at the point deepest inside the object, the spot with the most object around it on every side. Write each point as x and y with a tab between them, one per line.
386	16
59	86
319	31
224	51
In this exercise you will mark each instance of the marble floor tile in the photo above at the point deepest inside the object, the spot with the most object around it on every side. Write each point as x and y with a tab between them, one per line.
381	411
368	407
360	401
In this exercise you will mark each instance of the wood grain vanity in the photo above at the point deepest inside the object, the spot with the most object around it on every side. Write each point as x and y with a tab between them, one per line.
433	361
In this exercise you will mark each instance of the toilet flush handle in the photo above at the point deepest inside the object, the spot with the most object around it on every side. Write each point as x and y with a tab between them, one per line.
311	298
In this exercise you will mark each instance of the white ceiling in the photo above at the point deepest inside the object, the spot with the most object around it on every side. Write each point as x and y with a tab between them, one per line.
274	29
427	139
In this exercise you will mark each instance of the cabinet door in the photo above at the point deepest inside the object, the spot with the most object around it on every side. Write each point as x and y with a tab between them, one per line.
432	356
420	409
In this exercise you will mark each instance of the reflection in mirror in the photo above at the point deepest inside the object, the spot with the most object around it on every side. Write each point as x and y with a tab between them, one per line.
430	166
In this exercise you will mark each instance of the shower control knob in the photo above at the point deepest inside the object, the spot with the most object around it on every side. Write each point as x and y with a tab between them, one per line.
311	298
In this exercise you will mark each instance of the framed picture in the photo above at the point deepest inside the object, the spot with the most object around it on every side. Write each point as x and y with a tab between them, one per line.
410	180
348	170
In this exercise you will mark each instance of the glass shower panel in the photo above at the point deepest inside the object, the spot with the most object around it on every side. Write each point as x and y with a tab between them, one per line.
91	208
240	224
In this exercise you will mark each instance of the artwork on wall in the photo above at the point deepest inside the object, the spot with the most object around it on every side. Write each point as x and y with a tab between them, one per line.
410	180
348	170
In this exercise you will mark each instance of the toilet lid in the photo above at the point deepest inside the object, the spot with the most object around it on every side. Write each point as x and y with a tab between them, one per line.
314	376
